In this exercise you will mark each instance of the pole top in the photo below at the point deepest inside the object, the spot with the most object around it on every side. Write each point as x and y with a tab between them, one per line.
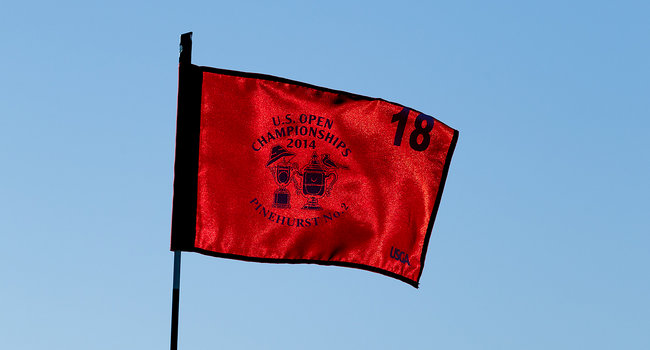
186	48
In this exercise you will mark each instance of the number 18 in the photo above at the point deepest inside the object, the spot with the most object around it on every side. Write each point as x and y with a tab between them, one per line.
423	126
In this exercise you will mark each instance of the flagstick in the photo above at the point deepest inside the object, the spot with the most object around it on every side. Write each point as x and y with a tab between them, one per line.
175	298
185	58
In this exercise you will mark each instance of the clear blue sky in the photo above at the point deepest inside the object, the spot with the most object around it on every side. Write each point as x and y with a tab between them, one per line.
542	240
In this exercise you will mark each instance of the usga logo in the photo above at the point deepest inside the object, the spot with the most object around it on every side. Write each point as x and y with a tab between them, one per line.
399	256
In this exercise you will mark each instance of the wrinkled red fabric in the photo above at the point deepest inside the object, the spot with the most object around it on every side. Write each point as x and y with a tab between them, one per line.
295	173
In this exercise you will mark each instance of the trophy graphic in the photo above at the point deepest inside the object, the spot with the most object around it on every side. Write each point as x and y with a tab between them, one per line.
282	175
314	182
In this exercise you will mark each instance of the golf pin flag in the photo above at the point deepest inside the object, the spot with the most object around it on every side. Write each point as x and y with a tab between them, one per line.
273	170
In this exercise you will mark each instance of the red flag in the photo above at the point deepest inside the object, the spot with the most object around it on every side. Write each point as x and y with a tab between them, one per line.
273	170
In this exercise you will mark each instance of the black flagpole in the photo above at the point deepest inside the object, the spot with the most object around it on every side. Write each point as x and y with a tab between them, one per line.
175	298
185	58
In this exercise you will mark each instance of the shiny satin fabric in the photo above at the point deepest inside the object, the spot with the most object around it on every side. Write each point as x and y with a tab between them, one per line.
293	173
